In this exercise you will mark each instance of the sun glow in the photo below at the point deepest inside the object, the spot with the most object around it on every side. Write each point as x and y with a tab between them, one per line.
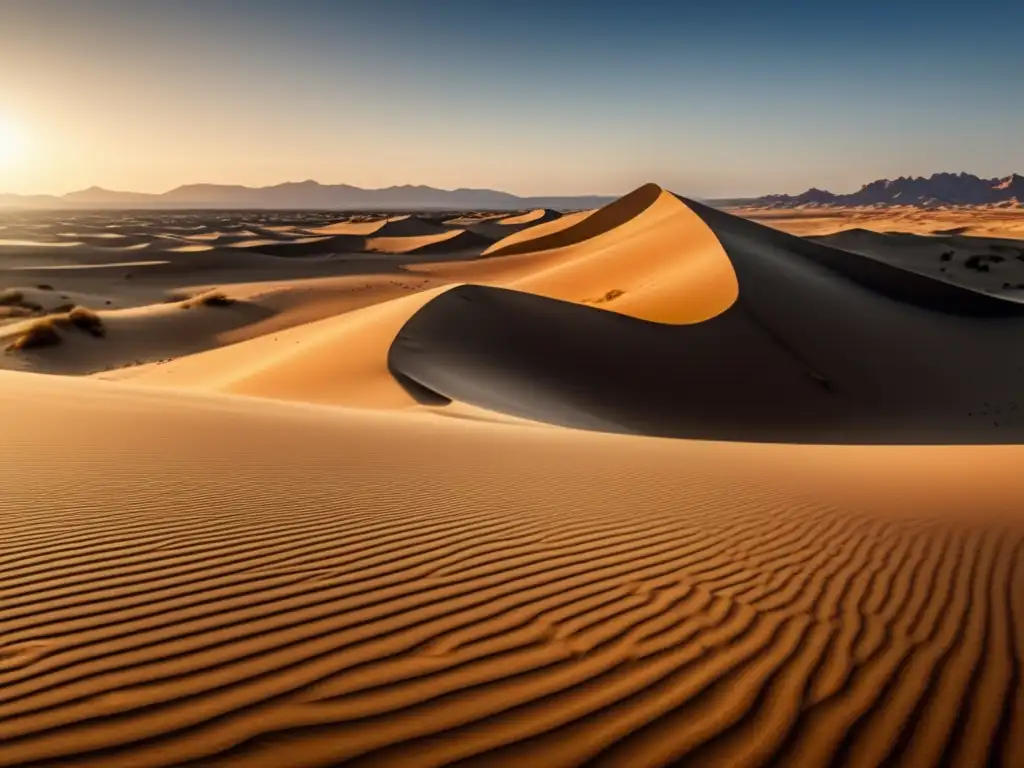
12	143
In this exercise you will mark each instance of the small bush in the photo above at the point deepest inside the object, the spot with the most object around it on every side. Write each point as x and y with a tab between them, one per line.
947	256
42	333
45	287
85	319
216	299
211	299
612	295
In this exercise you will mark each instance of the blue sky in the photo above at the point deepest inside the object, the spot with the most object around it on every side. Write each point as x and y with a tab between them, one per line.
708	99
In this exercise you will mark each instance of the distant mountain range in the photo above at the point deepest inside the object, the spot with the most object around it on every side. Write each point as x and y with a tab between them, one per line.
940	189
304	195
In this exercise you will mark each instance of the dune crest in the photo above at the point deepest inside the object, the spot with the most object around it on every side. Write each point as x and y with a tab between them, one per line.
599	222
647	255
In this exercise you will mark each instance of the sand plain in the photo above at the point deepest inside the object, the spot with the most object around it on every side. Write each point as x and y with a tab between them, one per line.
648	485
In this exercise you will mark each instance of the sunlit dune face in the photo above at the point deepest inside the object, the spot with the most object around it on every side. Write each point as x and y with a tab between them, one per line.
11	143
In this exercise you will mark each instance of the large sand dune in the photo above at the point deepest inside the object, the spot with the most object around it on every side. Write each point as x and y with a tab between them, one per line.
240	583
257	542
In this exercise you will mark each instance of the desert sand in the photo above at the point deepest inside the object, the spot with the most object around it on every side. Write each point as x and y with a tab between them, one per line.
654	484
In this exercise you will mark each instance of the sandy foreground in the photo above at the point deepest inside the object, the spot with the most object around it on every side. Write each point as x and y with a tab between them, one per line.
648	485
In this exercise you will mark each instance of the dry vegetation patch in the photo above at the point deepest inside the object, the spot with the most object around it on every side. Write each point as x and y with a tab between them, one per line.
612	295
41	333
209	299
85	319
45	332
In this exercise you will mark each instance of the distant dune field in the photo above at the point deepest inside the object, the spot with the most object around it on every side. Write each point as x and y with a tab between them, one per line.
652	484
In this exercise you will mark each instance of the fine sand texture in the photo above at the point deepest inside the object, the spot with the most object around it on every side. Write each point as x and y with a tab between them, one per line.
650	485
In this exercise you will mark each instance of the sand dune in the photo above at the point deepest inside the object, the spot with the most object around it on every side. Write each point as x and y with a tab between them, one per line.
511	596
340	520
305	246
820	346
449	242
646	255
538	216
537	231
337	360
978	221
585	227
396	226
993	265
497	228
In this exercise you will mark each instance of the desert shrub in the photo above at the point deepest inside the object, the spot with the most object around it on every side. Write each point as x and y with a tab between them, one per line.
85	319
210	299
42	333
216	299
45	287
612	295
946	256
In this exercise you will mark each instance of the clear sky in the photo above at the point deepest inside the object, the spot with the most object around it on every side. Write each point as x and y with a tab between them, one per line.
725	98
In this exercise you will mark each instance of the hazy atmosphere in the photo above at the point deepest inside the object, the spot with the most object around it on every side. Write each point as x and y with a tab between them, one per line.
710	99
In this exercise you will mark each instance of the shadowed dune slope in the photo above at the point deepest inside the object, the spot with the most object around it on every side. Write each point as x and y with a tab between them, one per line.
281	585
448	241
397	226
308	246
820	346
